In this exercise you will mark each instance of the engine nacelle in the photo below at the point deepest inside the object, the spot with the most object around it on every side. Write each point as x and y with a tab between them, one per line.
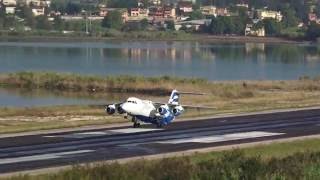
111	109
177	110
120	110
162	110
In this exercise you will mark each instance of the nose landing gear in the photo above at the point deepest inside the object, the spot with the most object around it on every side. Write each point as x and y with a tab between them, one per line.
136	124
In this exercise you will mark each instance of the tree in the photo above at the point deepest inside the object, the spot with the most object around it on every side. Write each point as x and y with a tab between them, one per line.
58	23
43	23
27	15
73	9
197	14
318	9
289	17
144	23
113	20
2	17
313	31
217	26
122	3
272	27
170	25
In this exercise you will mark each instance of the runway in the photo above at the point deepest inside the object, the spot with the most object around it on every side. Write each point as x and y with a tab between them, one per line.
58	149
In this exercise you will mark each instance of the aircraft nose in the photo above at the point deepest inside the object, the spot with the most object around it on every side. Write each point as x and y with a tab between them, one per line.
124	106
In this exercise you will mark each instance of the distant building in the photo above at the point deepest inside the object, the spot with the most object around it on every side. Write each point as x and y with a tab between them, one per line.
38	3
250	31
156	12
134	12
195	25
169	12
263	14
312	17
208	10
10	10
124	13
103	11
155	2
38	11
242	5
9	2
185	7
222	12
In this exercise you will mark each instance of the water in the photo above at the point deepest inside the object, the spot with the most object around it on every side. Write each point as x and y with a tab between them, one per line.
185	59
27	98
212	61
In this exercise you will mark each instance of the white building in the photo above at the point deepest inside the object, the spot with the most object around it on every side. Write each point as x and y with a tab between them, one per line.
208	10
263	14
10	10
9	2
38	11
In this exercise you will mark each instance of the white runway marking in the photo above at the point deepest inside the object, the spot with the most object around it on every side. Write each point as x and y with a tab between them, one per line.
41	157
102	133
221	138
133	130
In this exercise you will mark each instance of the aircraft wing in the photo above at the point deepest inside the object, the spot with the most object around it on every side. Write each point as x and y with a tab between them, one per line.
158	104
105	105
197	107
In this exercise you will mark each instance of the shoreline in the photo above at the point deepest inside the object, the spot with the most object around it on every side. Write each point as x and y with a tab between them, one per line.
193	37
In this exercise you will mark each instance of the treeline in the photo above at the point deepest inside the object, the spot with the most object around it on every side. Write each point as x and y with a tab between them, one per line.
231	165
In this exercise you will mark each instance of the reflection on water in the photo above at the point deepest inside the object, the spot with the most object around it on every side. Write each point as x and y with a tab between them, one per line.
27	98
13	97
152	58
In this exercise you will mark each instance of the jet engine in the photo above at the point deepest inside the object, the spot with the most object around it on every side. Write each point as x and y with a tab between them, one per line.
162	110
111	109
177	110
120	110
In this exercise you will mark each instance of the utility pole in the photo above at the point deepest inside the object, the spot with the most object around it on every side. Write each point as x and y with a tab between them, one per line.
87	32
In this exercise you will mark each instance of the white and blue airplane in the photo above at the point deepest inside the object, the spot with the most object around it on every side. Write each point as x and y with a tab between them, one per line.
149	112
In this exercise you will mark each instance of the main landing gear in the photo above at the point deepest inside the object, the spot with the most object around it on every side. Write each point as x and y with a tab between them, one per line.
136	124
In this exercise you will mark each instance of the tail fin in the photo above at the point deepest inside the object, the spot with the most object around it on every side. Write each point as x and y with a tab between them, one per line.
174	98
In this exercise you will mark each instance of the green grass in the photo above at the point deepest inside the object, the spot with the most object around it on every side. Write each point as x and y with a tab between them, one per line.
291	160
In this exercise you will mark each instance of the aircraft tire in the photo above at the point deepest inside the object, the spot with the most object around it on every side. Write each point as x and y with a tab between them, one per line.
136	125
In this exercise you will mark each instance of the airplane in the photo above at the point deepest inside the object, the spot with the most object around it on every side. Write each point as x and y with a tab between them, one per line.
146	111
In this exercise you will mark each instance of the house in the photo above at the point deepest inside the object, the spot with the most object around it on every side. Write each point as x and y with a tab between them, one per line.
250	31
156	12
143	13
222	12
208	10
244	5
185	7
124	13
195	25
169	12
9	2
38	11
263	14
137	14
155	2
10	10
312	17
134	12
103	11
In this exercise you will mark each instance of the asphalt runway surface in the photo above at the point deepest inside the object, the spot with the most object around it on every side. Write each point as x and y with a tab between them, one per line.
58	149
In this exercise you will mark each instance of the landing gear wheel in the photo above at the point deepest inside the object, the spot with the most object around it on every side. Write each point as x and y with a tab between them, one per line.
159	125
133	119
136	125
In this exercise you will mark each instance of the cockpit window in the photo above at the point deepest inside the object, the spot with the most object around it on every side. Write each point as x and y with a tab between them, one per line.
134	102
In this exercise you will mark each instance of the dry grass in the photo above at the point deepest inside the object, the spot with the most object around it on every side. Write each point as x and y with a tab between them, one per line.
227	97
